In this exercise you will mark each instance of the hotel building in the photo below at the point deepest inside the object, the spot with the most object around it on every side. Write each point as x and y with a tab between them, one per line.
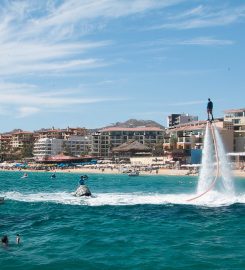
108	138
237	118
74	145
181	141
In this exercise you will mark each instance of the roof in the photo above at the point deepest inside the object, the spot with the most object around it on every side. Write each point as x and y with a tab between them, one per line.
194	125
64	158
189	128
131	129
235	110
131	146
22	132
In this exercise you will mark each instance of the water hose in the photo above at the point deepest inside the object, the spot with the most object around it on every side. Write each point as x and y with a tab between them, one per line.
217	170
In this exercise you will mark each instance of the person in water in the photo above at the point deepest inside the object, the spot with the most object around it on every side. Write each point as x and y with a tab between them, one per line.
5	240
210	110
17	239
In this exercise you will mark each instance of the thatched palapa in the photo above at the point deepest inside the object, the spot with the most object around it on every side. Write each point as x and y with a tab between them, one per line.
131	148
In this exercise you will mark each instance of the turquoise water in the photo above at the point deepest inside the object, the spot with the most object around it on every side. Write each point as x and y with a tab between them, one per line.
140	222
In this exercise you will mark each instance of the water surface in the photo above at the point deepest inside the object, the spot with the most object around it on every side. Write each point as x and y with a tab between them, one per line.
140	222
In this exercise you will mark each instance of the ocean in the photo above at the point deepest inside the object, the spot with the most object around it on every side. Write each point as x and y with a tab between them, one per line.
142	222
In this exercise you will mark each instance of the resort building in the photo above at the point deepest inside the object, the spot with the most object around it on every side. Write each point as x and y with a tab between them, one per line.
60	133
78	145
74	146
108	138
185	142
46	147
5	140
237	118
178	119
20	138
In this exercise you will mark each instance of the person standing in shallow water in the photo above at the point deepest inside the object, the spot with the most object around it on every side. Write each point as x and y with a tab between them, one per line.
17	239
210	110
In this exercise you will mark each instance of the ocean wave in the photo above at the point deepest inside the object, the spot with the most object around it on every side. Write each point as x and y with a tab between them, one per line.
212	199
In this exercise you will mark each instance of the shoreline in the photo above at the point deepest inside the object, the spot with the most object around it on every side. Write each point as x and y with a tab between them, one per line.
161	171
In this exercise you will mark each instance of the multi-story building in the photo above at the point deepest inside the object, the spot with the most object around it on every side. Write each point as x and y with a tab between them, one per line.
104	140
75	146
178	119
78	145
60	133
185	138
5	140
237	118
20	138
46	147
5	147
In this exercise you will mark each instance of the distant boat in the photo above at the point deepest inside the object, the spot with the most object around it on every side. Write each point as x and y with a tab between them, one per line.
133	173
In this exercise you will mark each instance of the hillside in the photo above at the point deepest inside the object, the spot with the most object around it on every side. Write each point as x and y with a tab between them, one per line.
137	123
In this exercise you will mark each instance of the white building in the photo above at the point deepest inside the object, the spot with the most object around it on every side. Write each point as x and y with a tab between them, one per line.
75	146
46	147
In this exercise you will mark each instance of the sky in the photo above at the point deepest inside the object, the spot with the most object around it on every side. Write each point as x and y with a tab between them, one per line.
91	63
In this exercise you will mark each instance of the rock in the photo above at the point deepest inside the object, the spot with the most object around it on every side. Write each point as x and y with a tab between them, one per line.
82	190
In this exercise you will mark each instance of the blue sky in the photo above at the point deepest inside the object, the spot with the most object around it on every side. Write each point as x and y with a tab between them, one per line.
95	62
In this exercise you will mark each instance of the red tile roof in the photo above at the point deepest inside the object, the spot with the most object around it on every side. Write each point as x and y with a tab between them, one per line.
235	110
131	129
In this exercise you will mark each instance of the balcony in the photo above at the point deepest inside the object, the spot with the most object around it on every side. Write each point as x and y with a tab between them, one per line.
184	140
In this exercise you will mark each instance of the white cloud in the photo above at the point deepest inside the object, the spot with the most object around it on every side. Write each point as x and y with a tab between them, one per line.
202	16
205	41
43	36
26	111
46	100
28	99
196	41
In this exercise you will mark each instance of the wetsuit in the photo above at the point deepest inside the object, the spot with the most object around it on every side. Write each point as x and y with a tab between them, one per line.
210	110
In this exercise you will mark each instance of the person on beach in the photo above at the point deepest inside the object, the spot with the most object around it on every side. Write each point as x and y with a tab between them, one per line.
210	110
5	240
17	239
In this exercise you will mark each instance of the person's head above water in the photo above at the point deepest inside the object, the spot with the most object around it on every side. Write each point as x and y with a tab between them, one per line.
209	99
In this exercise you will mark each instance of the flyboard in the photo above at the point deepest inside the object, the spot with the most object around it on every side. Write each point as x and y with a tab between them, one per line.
217	168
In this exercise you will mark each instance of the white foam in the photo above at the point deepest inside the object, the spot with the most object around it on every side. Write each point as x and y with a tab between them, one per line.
212	199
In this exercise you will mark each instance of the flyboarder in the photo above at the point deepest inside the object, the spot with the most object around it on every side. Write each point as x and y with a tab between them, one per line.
210	110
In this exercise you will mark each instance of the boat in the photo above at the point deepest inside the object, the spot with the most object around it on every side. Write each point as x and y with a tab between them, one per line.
135	173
